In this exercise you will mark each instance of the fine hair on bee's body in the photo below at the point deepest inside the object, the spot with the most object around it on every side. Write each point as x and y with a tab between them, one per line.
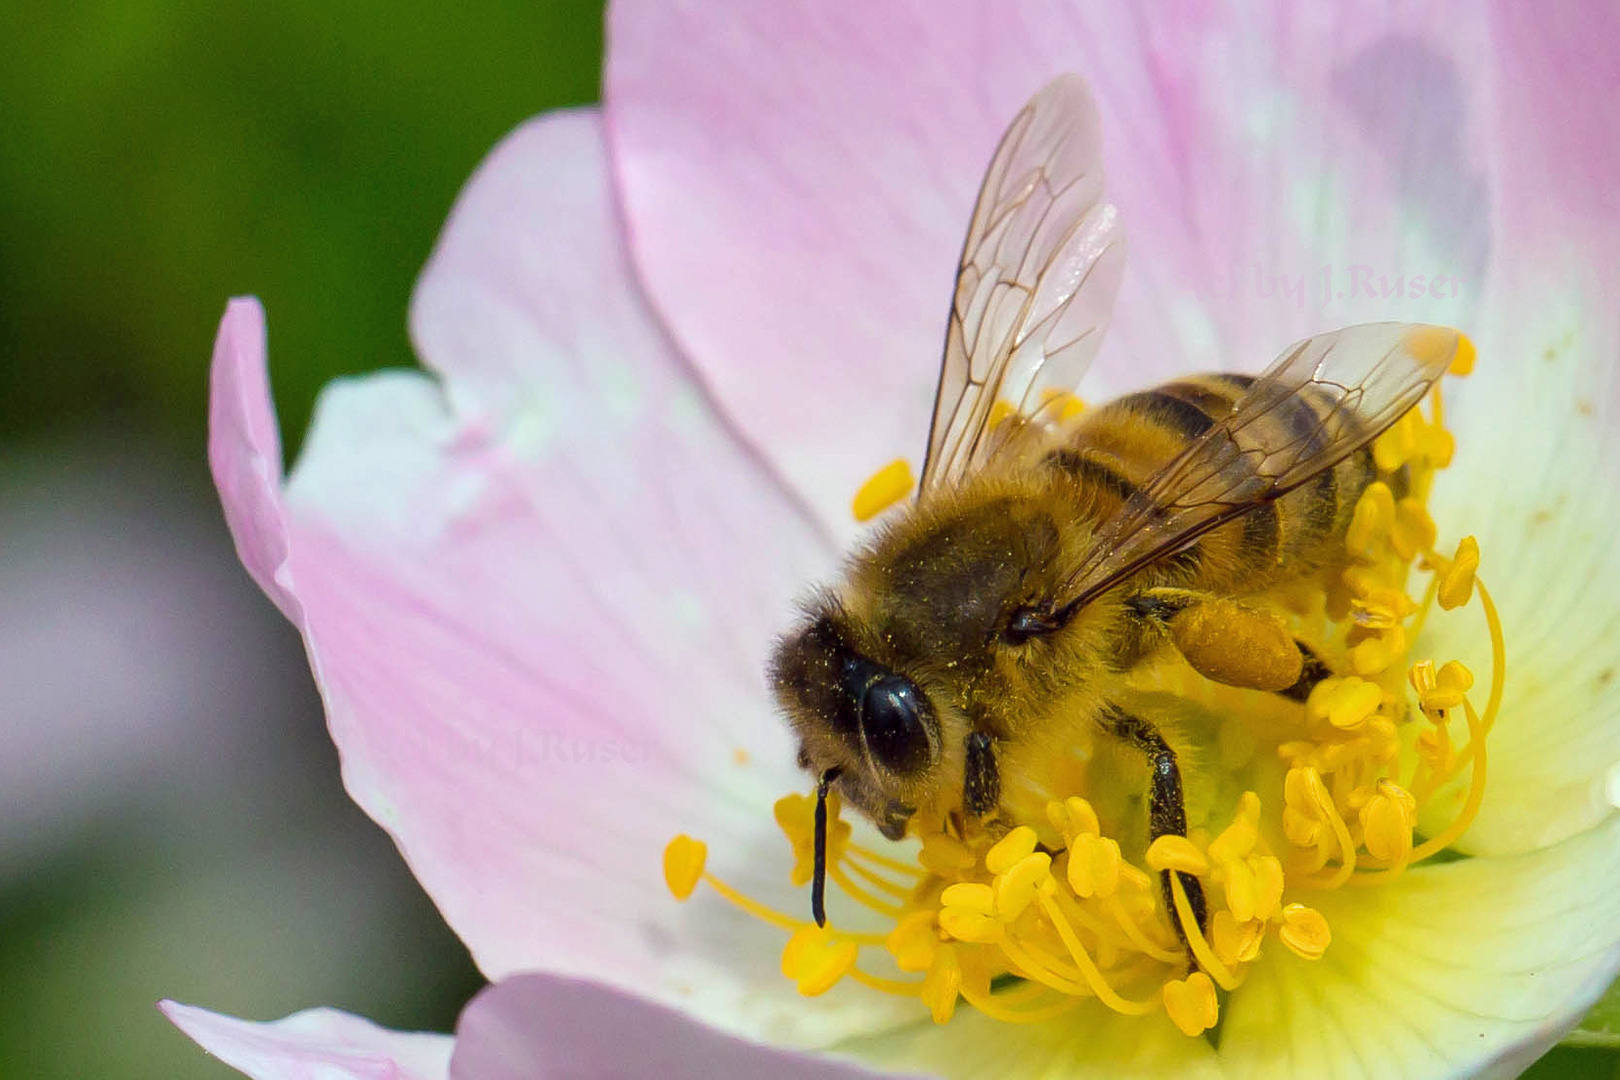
992	626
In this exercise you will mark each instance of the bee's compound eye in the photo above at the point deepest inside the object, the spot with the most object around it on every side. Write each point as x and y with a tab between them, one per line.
893	712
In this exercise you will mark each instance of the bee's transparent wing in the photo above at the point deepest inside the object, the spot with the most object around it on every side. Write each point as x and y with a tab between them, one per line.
1040	268
1361	380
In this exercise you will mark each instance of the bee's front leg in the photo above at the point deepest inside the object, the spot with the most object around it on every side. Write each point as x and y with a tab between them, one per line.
981	777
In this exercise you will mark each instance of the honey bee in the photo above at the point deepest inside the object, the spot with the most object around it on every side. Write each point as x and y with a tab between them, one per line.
1047	557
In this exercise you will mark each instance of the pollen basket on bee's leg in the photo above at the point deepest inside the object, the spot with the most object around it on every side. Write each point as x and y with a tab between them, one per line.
1056	903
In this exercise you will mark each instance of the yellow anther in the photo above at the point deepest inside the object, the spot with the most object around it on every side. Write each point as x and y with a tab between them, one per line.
1072	817
945	854
968	925
1432	346
1305	931
1436	446
1303	790
1235	942
969	896
1414	529
1061	405
1191	1003
1235	842
914	941
1376	653
1268	885
1374	516
1302	828
1000	413
1010	850
968	912
1399	444
886	487
816	959
942	984
1094	866
1240	889
1386	823
795	814
1463	362
684	859
1177	853
1016	888
1454	678
1421	676
1351	702
1443	690
1457	582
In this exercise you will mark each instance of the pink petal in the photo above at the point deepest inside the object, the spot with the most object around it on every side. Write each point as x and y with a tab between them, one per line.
530	1026
1538	429
797	187
317	1044
537	595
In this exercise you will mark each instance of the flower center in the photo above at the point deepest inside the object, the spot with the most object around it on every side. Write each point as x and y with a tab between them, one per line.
1027	922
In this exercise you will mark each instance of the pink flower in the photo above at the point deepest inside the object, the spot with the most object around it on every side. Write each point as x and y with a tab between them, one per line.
665	342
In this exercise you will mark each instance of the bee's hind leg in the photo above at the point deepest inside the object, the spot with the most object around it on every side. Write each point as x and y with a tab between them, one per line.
1167	809
1312	671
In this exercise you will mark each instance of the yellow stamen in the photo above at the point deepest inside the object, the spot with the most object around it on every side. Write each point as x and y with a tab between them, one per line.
1093	865
1386	824
1191	1003
816	959
1172	852
1457	583
1088	968
1431	345
883	489
1015	889
1305	931
1195	937
1462	362
1010	850
683	865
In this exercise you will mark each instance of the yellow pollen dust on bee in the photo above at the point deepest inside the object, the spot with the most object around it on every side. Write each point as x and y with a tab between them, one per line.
1031	919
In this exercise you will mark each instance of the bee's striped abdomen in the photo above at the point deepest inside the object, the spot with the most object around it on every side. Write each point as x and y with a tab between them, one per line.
1119	445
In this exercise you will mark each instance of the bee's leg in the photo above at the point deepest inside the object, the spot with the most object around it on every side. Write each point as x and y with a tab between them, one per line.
1167	810
981	778
1311	671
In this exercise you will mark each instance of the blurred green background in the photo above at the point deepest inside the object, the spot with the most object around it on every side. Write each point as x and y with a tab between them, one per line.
174	824
171	817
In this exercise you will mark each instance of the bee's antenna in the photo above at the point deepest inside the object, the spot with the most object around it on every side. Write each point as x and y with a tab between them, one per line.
818	878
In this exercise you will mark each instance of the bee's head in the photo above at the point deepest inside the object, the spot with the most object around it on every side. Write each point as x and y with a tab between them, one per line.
863	723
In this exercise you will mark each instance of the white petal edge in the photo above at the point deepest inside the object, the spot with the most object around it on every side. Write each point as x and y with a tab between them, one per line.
316	1044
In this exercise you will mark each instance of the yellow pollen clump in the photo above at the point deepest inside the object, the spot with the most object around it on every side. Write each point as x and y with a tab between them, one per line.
1065	901
886	487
